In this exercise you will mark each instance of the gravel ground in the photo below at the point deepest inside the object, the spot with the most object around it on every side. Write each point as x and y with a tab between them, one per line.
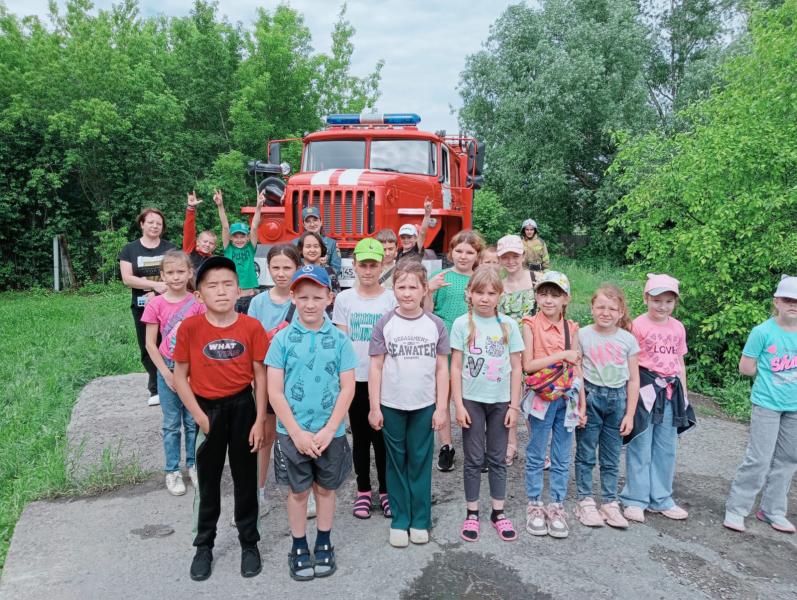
136	541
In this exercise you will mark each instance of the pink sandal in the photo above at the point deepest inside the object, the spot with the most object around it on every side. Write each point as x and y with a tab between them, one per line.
470	526
385	504
362	505
505	529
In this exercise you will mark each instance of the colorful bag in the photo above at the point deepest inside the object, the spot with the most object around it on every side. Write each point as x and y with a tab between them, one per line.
552	382
288	318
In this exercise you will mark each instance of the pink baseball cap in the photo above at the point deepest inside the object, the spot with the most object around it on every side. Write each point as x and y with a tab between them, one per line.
510	243
658	284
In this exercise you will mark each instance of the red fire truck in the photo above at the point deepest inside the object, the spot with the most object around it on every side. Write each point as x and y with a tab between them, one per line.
368	172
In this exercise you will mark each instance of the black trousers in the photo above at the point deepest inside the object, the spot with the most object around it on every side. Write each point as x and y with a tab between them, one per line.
363	437
141	336
231	420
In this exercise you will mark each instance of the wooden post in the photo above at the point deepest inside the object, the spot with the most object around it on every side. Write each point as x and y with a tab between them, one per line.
56	265
66	261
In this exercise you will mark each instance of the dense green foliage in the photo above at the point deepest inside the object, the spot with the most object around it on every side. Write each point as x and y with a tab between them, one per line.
716	205
553	84
105	112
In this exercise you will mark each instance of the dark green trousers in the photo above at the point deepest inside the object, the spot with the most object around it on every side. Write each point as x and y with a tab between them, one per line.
409	445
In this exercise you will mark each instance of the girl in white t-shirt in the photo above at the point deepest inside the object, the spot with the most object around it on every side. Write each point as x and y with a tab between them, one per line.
408	389
611	383
485	385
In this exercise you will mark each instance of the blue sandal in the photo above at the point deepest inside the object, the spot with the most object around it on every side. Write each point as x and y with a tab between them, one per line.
324	560
301	564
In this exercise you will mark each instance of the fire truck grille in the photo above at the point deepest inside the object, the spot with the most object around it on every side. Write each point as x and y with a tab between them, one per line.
343	212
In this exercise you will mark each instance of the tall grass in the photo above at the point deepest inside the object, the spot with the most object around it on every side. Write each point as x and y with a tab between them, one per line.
586	277
54	345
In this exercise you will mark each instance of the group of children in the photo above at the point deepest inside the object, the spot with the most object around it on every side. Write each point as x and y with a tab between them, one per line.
482	336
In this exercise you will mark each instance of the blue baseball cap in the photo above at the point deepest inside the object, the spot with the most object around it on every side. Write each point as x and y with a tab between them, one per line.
310	211
239	228
314	273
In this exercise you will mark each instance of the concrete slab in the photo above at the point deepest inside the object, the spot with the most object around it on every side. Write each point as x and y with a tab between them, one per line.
136	542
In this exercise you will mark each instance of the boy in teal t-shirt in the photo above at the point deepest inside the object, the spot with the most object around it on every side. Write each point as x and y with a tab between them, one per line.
310	386
240	244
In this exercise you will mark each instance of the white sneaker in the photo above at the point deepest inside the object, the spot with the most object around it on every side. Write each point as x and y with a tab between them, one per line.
174	483
311	510
399	538
154	400
418	536
194	477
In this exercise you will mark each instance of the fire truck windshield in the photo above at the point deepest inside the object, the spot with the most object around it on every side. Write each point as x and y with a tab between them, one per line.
403	156
400	156
335	154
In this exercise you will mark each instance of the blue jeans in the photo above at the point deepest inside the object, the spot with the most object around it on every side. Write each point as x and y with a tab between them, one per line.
650	465
175	416
605	412
541	430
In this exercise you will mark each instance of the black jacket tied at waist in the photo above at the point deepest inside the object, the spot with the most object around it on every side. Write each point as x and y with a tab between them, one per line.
683	415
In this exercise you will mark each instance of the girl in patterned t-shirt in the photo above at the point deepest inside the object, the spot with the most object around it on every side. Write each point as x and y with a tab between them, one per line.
446	297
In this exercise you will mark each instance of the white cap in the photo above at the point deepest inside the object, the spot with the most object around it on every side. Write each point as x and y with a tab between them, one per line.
787	288
408	229
530	223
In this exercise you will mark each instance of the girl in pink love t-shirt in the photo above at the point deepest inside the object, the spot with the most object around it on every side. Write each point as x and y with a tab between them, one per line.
663	409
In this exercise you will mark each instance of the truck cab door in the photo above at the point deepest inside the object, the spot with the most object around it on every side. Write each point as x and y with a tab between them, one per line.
445	177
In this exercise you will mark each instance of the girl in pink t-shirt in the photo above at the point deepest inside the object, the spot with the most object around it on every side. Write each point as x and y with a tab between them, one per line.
163	315
662	411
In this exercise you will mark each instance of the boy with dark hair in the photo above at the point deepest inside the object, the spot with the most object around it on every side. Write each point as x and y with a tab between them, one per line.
222	351
311	384
389	241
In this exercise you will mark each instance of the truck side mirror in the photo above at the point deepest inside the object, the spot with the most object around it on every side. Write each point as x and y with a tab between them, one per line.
476	157
274	153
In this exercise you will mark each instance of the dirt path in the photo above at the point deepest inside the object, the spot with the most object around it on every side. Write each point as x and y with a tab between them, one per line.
136	542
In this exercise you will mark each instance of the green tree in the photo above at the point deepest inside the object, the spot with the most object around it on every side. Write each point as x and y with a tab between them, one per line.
716	205
545	94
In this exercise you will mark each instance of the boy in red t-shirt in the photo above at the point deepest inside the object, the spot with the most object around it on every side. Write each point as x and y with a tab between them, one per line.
222	351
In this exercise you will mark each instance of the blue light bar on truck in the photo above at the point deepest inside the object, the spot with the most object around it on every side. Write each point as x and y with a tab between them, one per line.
374	119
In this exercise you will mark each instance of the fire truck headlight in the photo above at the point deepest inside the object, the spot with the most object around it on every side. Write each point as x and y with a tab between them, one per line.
286	169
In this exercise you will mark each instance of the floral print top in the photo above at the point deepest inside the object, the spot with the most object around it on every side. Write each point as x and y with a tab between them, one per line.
518	304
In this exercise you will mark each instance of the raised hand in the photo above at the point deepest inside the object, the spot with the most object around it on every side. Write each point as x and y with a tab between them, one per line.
427	206
261	199
193	200
218	198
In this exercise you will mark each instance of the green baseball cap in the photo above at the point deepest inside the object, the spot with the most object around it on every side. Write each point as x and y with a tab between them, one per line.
369	249
239	228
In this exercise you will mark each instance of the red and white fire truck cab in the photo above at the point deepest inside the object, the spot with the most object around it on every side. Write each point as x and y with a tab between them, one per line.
369	172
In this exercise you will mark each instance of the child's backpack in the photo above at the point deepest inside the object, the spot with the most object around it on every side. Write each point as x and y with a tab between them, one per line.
288	318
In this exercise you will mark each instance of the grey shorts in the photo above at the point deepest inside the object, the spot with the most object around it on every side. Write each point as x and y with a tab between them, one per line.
300	471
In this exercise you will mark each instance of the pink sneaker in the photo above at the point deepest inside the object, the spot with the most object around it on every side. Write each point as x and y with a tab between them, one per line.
781	524
634	513
676	513
614	518
587	513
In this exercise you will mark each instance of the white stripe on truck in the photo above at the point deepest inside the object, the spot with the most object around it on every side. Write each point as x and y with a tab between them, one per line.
322	177
350	176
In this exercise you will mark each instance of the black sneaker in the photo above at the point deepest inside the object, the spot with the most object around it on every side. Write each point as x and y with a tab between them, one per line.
250	561
445	460
200	566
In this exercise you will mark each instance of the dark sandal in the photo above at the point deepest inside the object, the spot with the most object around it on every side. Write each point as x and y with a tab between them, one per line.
300	560
385	503
362	506
325	560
